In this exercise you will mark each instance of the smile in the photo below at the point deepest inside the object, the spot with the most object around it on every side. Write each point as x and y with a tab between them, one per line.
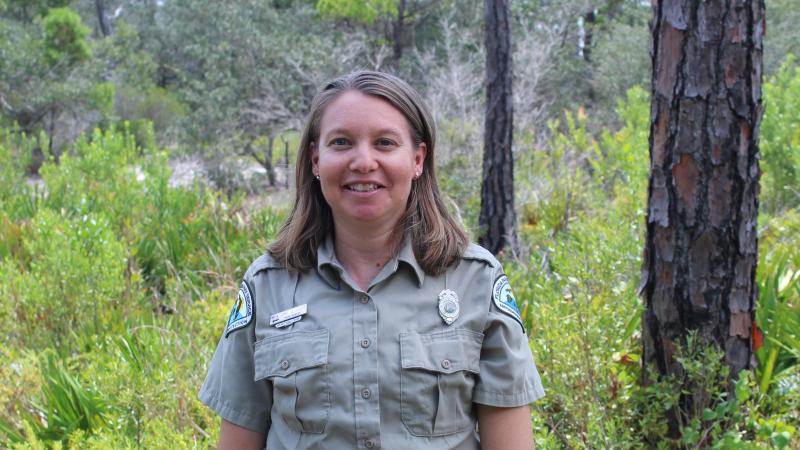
363	187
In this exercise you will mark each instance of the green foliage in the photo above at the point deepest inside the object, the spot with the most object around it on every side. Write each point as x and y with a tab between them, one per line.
364	11
32	8
16	199
66	405
780	139
102	98
154	105
128	279
717	417
65	37
57	283
778	316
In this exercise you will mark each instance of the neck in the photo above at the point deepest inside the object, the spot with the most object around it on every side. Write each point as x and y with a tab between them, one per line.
363	252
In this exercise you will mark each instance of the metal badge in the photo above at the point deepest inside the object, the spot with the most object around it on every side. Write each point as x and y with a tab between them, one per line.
448	306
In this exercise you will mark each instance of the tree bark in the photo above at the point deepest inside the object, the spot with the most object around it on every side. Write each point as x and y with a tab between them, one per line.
497	220
699	263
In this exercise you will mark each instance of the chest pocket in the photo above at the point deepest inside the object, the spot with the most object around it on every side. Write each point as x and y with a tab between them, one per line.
436	380
297	365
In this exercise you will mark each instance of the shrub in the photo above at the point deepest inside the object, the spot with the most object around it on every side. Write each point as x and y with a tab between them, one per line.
74	275
64	37
780	139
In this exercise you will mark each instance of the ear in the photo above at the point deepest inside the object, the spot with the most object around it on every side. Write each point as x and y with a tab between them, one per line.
419	157
314	158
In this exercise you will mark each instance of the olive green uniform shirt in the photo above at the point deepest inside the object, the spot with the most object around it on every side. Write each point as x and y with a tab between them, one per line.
370	369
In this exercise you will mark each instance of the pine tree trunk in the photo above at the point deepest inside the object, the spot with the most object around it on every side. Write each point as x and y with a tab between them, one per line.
497	218
102	18
700	258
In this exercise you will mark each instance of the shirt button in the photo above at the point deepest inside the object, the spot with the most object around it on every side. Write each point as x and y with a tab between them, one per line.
284	364
369	443
364	343
364	299
446	364
365	393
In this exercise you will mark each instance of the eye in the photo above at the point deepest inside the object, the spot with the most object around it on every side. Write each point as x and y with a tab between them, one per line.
338	142
385	142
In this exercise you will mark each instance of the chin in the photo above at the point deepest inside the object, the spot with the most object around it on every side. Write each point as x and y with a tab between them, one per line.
371	217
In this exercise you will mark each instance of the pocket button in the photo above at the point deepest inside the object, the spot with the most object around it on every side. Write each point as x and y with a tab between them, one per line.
446	364
284	364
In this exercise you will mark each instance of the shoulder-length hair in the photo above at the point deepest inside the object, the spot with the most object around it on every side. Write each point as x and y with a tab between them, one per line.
437	238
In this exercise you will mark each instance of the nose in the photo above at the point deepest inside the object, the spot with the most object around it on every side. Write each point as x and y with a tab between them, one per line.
363	160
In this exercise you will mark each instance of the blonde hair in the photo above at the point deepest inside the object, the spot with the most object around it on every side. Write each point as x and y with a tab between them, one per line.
437	238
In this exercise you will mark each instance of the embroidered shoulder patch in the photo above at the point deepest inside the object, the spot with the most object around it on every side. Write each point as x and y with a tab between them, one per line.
242	311
504	299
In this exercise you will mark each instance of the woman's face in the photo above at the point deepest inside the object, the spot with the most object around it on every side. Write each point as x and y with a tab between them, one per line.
366	160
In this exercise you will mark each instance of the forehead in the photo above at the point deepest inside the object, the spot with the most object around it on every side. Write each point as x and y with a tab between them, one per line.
354	110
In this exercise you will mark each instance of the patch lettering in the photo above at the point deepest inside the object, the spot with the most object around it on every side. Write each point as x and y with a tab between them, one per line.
242	312
504	299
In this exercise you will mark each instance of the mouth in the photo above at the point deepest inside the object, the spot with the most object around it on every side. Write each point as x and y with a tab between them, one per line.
362	187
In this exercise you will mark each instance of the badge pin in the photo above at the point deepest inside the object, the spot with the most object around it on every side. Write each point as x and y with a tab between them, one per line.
279	320
448	306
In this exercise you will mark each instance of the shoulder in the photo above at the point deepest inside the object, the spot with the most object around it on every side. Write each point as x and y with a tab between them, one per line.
476	253
262	263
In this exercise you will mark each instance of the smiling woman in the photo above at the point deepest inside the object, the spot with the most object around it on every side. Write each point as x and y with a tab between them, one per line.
371	322
365	161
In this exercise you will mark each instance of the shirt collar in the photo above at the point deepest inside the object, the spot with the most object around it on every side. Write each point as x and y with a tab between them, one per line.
406	255
330	269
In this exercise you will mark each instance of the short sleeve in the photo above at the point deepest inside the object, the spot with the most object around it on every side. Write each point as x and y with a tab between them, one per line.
229	387
508	375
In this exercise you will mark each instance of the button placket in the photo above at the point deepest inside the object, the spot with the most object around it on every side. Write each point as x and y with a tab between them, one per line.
365	364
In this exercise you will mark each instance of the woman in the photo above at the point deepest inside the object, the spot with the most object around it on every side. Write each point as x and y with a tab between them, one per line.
371	322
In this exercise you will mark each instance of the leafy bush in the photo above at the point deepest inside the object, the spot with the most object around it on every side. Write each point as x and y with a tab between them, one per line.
64	37
780	139
71	273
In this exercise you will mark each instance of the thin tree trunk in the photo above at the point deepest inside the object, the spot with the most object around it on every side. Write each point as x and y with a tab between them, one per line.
699	263
398	32
497	218
102	17
268	161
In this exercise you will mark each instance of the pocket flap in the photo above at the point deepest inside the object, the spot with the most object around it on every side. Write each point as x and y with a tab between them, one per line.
286	353
444	351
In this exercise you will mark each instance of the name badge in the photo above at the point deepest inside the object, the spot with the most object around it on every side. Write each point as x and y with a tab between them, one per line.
279	320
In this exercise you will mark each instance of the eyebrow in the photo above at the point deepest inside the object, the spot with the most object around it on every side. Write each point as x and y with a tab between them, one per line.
383	131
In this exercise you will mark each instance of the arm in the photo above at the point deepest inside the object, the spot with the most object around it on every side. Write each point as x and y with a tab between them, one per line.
234	437
505	428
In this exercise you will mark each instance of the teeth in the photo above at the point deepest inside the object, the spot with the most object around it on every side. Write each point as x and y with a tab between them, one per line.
363	187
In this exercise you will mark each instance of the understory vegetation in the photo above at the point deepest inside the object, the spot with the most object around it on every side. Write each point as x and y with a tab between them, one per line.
116	283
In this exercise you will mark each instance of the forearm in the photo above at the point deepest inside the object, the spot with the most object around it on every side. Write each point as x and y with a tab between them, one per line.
234	437
505	428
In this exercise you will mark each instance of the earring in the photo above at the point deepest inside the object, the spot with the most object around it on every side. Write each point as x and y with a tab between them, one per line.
417	175
317	177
